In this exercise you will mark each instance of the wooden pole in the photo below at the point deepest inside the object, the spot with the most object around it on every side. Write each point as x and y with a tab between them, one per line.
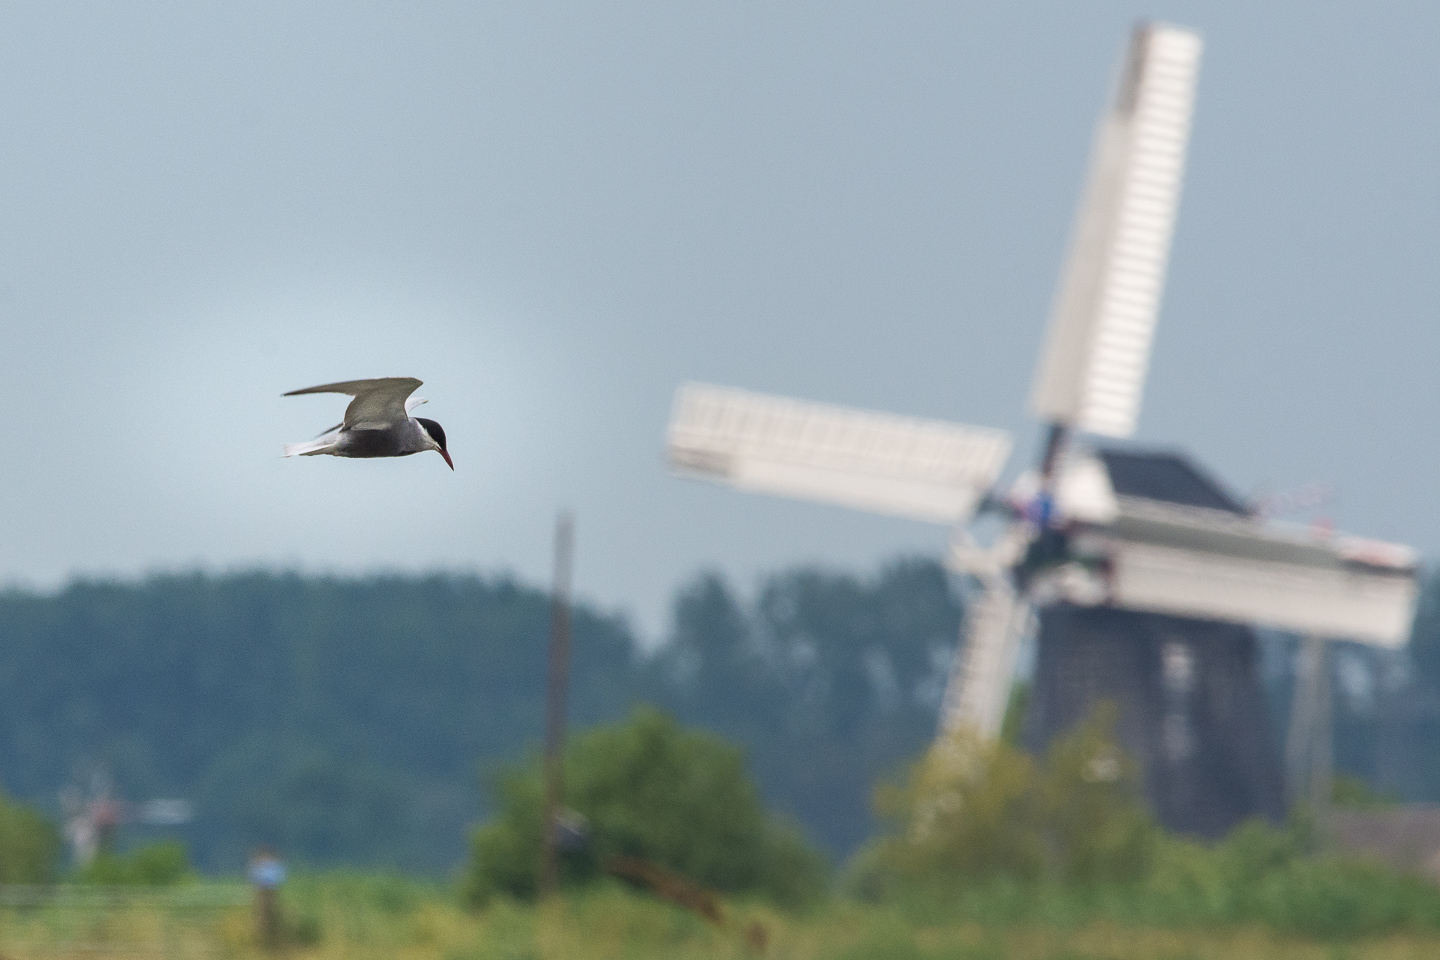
558	683
1322	774
1308	746
1300	736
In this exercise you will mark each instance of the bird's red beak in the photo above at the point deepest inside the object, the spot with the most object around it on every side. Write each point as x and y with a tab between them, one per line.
446	455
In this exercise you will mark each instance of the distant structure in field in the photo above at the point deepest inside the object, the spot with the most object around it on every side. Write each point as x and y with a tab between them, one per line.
93	814
1142	573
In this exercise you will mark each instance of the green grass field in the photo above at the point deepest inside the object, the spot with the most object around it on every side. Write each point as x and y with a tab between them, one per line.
1001	856
360	917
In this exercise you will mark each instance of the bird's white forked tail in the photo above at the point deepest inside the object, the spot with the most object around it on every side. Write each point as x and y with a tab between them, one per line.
310	448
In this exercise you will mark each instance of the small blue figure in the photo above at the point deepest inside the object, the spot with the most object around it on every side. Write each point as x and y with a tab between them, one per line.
1041	510
266	870
266	874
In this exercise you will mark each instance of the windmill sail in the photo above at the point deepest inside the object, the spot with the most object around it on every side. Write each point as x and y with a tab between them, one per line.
978	690
1198	563
1145	575
921	469
1093	369
1173	541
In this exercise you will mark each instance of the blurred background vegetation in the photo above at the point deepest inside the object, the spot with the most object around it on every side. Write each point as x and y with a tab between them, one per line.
344	720
29	844
986	852
679	798
982	851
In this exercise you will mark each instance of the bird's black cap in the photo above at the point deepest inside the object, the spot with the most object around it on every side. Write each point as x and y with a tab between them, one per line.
437	432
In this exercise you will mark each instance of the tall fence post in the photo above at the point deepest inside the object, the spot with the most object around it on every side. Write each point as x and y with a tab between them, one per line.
1308	744
556	690
267	872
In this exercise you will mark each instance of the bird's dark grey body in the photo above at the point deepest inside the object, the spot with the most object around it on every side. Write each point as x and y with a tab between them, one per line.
377	423
390	440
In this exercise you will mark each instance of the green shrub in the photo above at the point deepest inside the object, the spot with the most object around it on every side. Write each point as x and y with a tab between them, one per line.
648	788
1283	879
980	831
1258	876
154	865
972	808
1092	817
505	853
1353	793
969	808
29	844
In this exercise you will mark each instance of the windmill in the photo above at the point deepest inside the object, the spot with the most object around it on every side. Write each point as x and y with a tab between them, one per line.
93	813
1142	573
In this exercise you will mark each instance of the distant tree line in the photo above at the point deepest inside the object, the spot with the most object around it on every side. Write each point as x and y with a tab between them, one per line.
366	720
351	720
831	682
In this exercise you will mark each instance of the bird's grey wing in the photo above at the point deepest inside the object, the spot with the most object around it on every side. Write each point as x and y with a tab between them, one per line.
378	401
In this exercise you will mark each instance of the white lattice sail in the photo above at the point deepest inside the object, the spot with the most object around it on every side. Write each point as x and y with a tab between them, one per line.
1092	372
923	469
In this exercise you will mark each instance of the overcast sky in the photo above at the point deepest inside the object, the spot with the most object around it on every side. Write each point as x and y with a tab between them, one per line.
555	213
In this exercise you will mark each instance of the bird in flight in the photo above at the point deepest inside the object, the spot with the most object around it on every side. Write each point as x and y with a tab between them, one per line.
377	423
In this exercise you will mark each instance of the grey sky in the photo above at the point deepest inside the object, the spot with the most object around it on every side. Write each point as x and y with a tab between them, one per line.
553	213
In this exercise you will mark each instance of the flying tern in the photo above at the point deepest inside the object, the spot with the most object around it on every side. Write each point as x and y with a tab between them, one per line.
377	422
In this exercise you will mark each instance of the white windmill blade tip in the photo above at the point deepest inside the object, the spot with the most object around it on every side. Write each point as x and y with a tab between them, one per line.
1093	368
1187	38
